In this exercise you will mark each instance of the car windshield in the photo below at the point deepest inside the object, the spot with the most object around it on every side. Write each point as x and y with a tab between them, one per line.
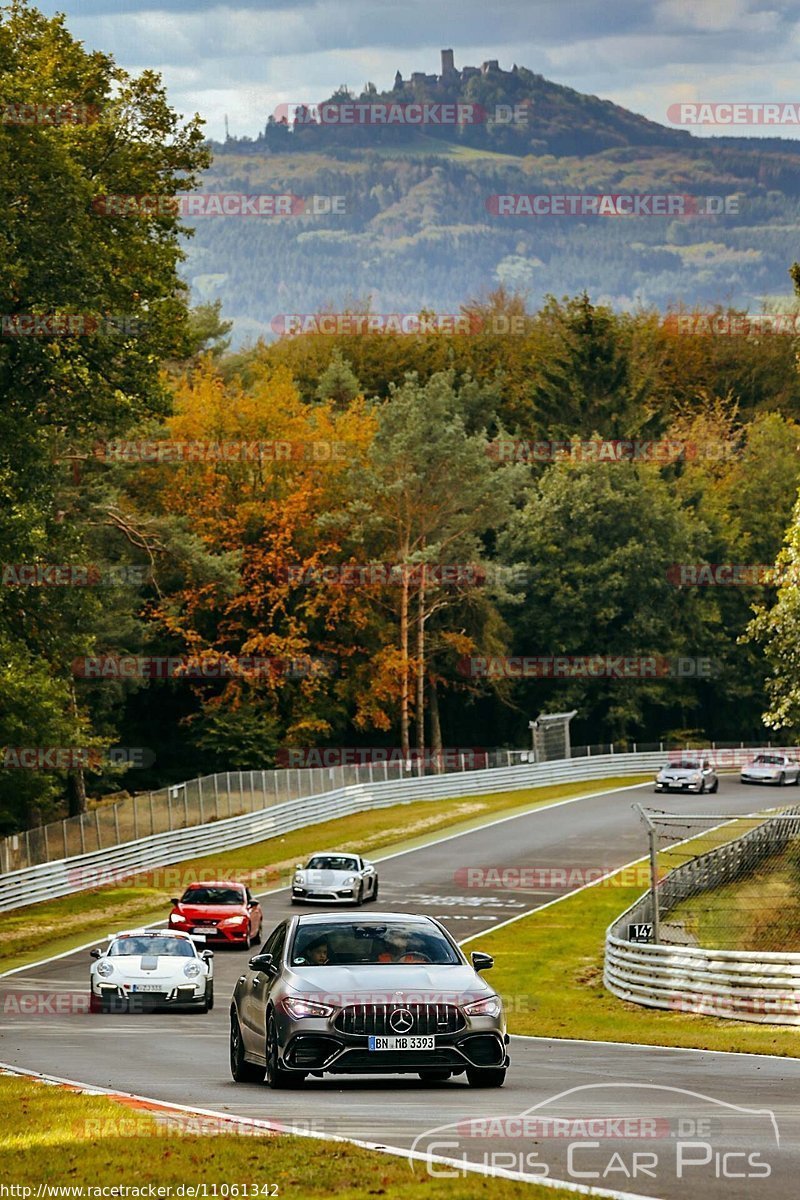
332	862
212	895
688	764
772	760
175	947
371	943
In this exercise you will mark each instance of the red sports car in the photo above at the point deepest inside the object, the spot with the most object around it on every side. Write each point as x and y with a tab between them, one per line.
223	912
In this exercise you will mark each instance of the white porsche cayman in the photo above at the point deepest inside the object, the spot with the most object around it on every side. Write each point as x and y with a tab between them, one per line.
335	878
151	968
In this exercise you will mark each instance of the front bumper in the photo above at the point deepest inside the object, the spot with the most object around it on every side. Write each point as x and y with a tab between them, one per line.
121	998
316	1046
343	896
674	785
747	778
236	935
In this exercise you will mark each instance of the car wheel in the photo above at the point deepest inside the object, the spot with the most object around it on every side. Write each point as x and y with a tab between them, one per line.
782	779
242	1070
797	779
702	788
715	788
275	1075
486	1076
375	891
359	900
434	1076
209	1001
95	1003
257	936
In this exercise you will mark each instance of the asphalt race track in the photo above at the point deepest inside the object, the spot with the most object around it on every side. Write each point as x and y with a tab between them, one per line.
698	1123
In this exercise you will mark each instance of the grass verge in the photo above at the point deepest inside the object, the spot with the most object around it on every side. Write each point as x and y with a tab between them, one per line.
759	912
56	926
54	1136
550	971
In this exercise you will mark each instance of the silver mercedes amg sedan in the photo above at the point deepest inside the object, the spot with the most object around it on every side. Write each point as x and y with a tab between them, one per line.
388	994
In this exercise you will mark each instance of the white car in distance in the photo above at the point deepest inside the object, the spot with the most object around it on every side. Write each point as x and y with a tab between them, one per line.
335	877
771	767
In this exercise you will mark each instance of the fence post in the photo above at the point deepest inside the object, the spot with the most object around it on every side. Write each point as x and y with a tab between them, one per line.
28	847
97	828
135	820
116	823
152	815
46	845
66	847
228	784
83	835
216	796
185	806
200	798
264	787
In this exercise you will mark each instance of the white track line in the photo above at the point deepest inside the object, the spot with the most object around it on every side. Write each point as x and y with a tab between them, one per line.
279	1127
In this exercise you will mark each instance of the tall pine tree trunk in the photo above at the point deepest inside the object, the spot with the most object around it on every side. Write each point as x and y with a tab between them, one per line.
436	728
421	671
405	738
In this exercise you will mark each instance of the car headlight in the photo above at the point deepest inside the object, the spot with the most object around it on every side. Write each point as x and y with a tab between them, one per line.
104	968
299	877
306	1008
175	918
349	881
490	1007
240	920
192	970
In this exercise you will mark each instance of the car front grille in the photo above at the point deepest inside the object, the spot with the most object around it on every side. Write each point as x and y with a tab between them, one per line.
376	1019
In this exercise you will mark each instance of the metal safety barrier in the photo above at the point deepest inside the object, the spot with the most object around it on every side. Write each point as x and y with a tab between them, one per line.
79	872
746	985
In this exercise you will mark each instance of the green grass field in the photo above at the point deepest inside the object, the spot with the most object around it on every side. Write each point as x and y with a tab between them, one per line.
54	1136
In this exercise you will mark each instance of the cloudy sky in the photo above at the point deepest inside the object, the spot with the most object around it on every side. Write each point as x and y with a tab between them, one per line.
245	57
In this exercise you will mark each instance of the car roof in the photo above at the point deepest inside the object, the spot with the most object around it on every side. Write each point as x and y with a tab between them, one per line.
342	918
335	854
207	883
173	933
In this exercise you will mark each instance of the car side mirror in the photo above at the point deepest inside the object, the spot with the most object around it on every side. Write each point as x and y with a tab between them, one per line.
96	953
481	961
252	903
263	962
174	902
206	954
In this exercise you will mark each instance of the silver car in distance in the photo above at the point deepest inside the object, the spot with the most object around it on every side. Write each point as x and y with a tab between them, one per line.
386	994
335	877
688	774
772	767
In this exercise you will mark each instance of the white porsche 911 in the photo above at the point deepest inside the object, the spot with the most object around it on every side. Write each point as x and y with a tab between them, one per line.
335	878
773	767
151	968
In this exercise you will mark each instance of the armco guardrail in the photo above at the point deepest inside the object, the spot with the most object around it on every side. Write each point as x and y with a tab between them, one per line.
745	985
87	870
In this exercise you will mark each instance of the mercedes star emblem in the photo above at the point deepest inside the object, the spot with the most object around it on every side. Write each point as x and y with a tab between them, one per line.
401	1020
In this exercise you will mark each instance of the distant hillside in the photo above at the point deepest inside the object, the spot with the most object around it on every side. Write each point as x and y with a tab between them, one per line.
418	228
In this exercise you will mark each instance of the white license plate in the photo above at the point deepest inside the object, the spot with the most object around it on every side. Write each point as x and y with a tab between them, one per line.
147	987
204	929
402	1043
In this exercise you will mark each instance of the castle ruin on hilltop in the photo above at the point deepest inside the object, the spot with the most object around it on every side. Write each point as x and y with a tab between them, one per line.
451	74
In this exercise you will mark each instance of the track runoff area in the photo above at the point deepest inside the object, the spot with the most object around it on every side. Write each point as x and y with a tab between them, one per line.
602	1117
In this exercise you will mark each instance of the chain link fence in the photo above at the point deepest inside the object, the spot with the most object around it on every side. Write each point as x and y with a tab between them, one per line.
725	883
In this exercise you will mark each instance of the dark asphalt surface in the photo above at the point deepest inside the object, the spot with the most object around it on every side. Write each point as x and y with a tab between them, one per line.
710	1124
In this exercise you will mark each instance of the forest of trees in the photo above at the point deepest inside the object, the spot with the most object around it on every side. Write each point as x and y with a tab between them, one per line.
321	531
